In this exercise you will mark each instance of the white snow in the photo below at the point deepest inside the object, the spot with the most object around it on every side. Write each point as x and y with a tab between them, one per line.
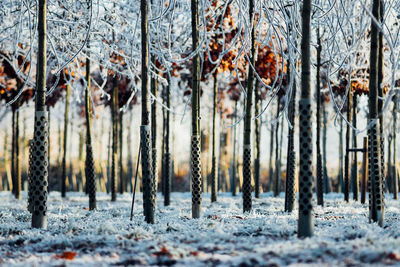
224	236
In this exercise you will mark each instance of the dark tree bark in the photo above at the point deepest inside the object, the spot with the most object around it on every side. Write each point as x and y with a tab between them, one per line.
195	142
271	156
167	170
214	172
114	155
257	141
340	177
346	190
277	183
122	182
380	102
13	174
305	222
130	154
234	162
394	132
246	192
327	184
89	163
64	160
154	91
320	195
17	156
354	169
290	194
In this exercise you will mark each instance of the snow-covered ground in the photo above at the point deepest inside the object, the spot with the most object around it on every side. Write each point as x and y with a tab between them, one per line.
224	236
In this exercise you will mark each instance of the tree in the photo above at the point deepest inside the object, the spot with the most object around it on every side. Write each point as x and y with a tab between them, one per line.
320	197
305	223
40	139
149	193
195	142
89	163
247	119
376	207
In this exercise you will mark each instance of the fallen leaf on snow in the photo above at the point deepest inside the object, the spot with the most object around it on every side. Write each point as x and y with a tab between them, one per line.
67	255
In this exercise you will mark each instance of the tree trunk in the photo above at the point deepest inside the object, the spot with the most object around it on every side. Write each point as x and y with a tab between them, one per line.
17	157
290	194
257	140
374	139
340	177
121	146
271	156
130	162
109	156
305	222
234	164
394	174
195	142
247	119
380	101
64	160
114	155
389	183
40	147
13	174
214	172
277	183
164	117
320	195
327	184
167	153
149	194
49	150
354	168
347	153
89	163
154	91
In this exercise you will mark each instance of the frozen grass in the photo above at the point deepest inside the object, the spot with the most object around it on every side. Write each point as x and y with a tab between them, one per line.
224	236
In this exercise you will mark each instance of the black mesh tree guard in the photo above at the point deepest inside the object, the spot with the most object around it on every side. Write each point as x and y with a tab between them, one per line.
149	194
167	178
246	191
39	171
90	177
196	176
30	201
306	225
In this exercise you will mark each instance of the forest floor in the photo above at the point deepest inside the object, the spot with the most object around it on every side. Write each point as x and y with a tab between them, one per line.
224	236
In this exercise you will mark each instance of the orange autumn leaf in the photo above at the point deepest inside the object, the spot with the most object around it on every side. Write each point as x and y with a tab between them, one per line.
67	255
163	252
